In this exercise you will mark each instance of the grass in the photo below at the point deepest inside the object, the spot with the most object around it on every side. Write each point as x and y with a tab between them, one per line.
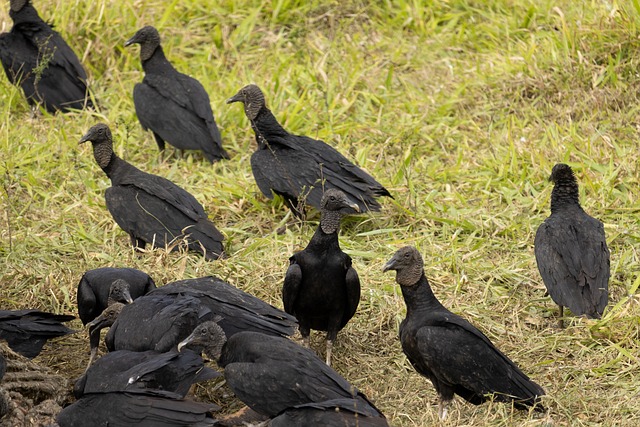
460	108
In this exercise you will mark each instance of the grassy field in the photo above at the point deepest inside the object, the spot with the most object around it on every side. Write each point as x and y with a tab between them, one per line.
460	108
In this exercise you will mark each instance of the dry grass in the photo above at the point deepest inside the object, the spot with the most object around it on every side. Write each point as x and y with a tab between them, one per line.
460	108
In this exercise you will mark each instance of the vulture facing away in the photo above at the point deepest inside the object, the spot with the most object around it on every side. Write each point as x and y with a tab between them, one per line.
571	251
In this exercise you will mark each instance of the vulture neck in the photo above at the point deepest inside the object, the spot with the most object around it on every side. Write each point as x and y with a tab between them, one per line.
265	124
323	240
330	222
108	162
154	61
419	296
565	193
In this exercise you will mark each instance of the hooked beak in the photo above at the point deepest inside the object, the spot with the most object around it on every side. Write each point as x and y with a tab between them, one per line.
389	265
236	98
127	297
355	207
85	138
184	342
131	41
97	323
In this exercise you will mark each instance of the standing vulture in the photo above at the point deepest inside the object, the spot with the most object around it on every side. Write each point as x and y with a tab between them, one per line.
274	374
95	289
321	288
152	209
300	168
571	251
37	58
451	352
174	106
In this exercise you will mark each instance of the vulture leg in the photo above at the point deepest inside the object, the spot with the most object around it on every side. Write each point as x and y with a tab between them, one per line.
329	348
305	332
560	321
443	408
159	141
137	243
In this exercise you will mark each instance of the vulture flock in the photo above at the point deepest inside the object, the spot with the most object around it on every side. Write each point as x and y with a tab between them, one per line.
157	336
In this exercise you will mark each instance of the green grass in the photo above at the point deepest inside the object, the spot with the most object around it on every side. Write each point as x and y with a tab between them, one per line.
460	108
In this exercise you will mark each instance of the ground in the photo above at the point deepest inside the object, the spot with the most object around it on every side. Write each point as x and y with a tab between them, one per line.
460	108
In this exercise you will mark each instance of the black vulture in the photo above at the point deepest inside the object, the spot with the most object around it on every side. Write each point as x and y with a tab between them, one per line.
271	374
166	315
300	168
26	331
152	209
95	285
156	322
321	288
106	319
37	58
239	310
125	370
136	408
174	106
451	352
571	251
330	413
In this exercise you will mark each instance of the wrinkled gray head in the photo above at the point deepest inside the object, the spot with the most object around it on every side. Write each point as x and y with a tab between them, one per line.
335	200
97	134
119	291
208	335
148	38
408	264
333	206
16	5
562	173
107	318
100	137
252	98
